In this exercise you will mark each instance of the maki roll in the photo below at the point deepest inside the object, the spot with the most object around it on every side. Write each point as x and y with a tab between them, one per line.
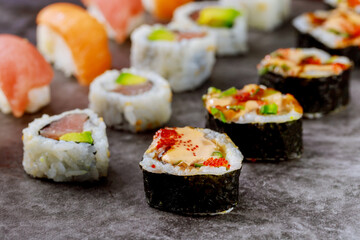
351	4
228	24
120	17
183	57
262	122
191	171
163	9
319	81
263	14
71	146
74	41
131	99
336	31
25	76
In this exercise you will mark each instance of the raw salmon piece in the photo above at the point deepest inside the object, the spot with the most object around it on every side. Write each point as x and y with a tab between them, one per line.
84	35
22	68
164	9
72	123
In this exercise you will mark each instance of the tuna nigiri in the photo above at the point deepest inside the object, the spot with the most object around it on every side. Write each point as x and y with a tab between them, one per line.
24	76
120	17
163	9
75	41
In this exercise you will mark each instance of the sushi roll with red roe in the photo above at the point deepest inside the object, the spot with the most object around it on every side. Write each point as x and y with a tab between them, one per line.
351	4
264	123
192	171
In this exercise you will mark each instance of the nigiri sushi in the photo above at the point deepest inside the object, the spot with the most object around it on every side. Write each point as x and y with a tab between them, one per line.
73	40
120	17
163	9
24	76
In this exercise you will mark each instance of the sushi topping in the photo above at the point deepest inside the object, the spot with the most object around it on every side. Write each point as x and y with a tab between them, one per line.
129	84
72	123
163	34
84	137
216	17
304	63
251	99
130	79
217	162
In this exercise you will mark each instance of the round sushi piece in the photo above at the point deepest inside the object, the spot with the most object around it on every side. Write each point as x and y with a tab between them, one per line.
192	171
73	40
228	24
184	57
263	14
120	17
351	4
71	146
337	32
264	123
163	9
131	99
319	81
25	76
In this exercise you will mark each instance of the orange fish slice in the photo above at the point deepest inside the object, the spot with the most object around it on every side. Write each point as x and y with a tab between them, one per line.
164	9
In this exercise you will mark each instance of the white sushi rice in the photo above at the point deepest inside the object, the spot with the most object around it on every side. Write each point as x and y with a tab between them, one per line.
253	117
186	64
66	161
229	41
233	155
136	113
37	98
263	14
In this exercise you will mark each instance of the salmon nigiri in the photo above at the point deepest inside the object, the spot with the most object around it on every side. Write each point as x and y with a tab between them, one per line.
163	9
24	76
120	17
75	41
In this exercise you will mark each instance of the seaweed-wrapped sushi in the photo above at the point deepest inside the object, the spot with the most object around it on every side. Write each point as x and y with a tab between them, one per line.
191	171
319	81
264	123
351	4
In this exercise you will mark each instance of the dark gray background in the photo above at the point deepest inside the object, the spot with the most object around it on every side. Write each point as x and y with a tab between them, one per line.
316	197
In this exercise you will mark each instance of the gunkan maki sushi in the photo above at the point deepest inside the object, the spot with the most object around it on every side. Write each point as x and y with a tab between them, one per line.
319	81
191	171
336	31
264	123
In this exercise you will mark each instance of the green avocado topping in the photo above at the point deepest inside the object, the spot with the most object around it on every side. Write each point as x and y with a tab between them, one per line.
217	154
130	79
162	34
84	137
218	17
269	109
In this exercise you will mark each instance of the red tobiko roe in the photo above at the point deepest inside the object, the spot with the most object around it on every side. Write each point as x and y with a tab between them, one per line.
167	138
217	162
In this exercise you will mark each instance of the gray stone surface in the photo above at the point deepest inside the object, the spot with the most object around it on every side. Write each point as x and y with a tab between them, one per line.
316	197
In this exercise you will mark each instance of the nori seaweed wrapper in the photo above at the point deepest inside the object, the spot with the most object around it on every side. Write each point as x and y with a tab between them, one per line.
192	195
305	40
263	141
316	95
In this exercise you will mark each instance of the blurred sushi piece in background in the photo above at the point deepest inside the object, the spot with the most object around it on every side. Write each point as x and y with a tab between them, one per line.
351	4
183	56
263	14
131	99
120	17
74	41
24	76
227	24
163	9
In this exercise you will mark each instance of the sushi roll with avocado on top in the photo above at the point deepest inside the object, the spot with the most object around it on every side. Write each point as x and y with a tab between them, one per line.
228	24
192	171
131	99
183	57
336	32
71	146
264	123
319	81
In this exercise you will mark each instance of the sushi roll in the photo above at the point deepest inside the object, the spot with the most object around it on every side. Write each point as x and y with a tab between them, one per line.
319	81
264	123
192	171
74	41
263	14
131	99
184	57
351	4
163	9
120	17
25	77
228	24
336	32
71	146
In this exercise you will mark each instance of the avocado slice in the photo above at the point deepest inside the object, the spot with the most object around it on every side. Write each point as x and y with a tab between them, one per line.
130	79
162	34
84	137
218	17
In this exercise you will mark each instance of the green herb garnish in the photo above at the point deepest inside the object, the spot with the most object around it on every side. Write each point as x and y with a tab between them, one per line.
269	109
228	92
213	90
218	114
342	34
197	165
217	154
235	107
